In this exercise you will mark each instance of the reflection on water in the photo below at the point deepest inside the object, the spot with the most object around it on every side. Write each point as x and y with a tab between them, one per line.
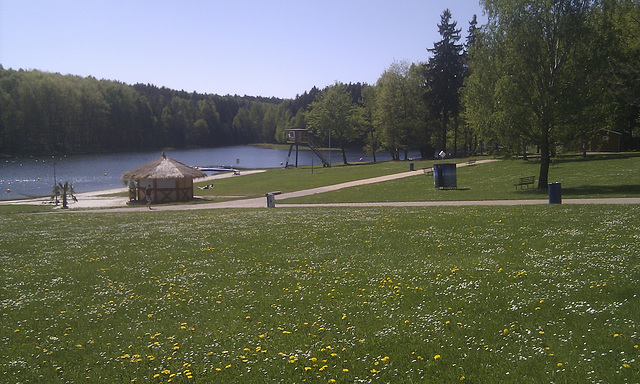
34	176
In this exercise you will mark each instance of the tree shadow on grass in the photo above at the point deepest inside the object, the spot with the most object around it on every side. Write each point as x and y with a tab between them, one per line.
595	190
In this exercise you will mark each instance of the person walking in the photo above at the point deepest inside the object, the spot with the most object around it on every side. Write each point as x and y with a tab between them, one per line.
147	192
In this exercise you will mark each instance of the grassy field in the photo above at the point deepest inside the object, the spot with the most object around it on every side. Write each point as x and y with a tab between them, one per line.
615	175
524	294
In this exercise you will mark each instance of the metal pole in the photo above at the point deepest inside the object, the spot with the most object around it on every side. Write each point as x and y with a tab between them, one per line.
55	181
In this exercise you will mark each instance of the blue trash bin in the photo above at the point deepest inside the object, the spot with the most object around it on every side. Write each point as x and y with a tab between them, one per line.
411	166
555	193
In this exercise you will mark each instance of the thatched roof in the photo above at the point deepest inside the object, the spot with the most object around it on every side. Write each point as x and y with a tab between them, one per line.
163	168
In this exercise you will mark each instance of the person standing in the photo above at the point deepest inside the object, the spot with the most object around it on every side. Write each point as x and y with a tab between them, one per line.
147	192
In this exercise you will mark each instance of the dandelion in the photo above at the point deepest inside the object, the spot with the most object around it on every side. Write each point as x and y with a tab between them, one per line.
626	365
345	370
437	357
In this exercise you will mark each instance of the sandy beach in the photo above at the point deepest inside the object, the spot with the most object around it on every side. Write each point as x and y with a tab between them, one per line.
101	199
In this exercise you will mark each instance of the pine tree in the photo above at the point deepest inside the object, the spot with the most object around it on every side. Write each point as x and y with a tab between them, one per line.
444	73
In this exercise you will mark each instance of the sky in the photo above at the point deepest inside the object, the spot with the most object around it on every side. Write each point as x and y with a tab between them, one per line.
278	48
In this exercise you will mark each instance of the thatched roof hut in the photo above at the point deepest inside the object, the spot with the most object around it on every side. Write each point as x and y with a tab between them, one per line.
170	180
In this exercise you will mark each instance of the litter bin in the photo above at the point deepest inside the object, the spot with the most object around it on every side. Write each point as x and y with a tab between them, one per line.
444	176
271	200
555	193
411	166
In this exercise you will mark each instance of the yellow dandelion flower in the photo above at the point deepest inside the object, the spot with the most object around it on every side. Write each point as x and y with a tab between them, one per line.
345	370
626	365
436	357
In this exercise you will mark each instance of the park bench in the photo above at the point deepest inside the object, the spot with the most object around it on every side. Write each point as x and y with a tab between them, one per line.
527	180
471	162
428	171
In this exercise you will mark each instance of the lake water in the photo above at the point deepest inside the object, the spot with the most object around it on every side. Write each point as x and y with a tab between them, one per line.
33	176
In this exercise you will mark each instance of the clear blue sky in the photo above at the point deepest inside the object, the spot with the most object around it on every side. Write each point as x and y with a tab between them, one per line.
254	47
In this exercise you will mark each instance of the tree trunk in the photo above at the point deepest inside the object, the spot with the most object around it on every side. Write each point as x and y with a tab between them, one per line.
543	178
444	130
455	137
344	156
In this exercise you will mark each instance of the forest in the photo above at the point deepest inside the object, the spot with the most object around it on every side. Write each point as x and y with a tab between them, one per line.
540	74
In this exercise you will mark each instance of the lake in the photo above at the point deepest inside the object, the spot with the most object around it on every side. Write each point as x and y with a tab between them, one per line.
33	176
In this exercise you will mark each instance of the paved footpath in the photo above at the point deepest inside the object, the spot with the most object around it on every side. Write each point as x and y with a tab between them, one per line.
118	204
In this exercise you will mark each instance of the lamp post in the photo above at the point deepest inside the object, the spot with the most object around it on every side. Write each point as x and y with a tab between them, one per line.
55	182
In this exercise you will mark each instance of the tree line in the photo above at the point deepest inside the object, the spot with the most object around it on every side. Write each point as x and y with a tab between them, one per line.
48	112
542	74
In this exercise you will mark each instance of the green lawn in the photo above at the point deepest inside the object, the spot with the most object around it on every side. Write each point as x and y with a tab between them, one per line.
524	294
616	175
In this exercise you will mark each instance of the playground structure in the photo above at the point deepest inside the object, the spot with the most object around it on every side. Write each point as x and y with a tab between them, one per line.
299	137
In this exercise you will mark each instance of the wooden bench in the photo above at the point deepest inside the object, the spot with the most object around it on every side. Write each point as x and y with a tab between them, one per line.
527	180
428	171
471	162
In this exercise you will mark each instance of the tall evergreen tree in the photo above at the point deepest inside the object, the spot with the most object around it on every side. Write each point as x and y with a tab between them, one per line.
445	73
